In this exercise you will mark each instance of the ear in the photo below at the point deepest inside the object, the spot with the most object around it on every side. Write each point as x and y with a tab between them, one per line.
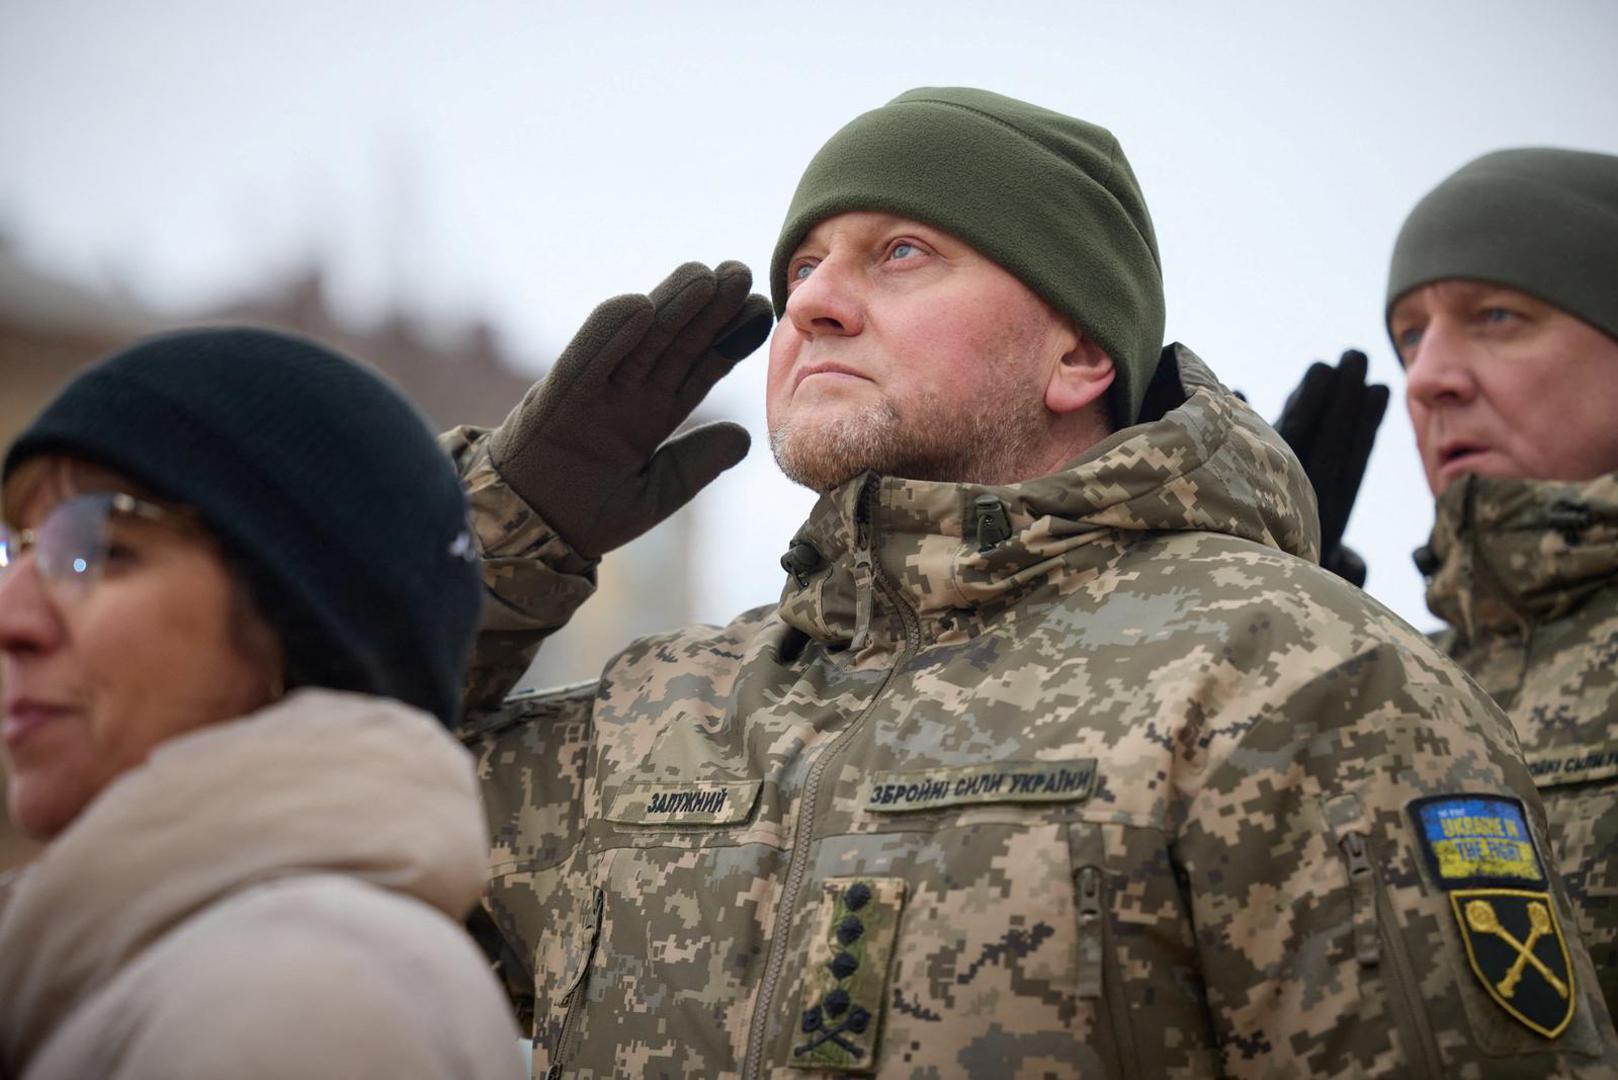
1080	378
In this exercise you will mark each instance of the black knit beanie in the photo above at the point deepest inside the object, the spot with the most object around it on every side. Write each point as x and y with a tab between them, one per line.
1542	221
1048	197
321	482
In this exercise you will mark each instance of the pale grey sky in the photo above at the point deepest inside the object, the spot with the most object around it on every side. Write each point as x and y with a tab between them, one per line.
525	160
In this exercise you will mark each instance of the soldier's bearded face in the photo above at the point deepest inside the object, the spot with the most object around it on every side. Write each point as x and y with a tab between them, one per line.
904	351
1502	384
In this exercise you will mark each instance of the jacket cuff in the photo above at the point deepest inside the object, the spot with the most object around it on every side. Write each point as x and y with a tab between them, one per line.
534	581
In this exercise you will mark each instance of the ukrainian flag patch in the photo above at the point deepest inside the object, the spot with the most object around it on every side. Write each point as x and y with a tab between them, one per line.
1472	840
1482	854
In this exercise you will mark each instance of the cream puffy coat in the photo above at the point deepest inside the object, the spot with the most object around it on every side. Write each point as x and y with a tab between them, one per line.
277	896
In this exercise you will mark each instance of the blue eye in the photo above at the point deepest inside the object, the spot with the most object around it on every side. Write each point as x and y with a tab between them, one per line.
904	251
802	272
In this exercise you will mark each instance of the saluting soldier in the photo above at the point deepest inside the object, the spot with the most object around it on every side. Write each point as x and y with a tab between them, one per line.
1058	754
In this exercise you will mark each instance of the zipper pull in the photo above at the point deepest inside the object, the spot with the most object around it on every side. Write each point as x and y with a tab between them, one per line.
992	522
1091	933
1362	888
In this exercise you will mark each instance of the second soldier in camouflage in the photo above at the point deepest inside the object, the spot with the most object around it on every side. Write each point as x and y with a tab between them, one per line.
1503	303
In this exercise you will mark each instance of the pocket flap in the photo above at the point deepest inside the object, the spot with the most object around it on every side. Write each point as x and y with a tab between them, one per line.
684	802
969	785
1573	765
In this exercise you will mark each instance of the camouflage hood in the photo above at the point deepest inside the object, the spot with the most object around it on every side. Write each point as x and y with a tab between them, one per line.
1206	463
1510	553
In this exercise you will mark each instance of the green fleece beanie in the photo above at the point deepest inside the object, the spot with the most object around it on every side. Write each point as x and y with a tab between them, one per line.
1048	197
1544	222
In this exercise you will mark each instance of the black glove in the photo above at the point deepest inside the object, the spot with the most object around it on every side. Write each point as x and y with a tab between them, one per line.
1330	422
586	446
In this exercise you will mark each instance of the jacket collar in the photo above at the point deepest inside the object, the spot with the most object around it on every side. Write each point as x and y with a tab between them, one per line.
1506	554
882	560
311	784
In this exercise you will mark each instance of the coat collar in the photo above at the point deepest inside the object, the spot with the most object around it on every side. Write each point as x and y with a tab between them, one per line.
882	560
1505	554
308	785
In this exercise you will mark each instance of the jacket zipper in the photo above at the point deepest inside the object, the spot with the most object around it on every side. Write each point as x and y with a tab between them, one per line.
1099	977
803	835
1404	982
1376	934
573	999
1486	570
1092	962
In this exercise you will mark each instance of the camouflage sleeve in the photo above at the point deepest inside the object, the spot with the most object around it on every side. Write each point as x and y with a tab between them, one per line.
534	581
1366	866
530	758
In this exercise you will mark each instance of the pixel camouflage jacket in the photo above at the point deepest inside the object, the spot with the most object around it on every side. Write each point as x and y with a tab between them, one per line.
1089	775
1526	575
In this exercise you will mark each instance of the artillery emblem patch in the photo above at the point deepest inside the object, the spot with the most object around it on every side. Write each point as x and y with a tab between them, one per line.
1481	852
1515	945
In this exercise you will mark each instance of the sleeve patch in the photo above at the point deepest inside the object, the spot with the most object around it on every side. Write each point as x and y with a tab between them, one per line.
1481	853
1476	840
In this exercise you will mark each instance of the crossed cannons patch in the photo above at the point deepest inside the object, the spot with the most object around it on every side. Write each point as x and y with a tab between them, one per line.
1482	854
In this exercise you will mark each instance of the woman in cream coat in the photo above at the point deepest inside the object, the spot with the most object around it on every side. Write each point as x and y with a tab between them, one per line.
236	594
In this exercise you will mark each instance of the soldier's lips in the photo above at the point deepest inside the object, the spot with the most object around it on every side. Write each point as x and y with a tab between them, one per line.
827	373
1461	458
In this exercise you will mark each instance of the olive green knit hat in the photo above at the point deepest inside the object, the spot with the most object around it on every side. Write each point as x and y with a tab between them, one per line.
1048	197
1541	221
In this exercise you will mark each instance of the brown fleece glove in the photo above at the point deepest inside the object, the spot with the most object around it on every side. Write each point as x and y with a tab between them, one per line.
588	446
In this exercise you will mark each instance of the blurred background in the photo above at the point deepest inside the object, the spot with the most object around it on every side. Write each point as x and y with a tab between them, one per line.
446	190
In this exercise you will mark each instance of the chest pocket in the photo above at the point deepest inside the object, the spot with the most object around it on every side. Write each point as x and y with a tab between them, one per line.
1018	928
696	779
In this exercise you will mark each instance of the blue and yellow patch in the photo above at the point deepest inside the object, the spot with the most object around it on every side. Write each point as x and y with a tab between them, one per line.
1482	853
1474	840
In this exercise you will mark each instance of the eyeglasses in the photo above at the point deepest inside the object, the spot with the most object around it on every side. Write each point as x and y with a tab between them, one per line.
71	545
